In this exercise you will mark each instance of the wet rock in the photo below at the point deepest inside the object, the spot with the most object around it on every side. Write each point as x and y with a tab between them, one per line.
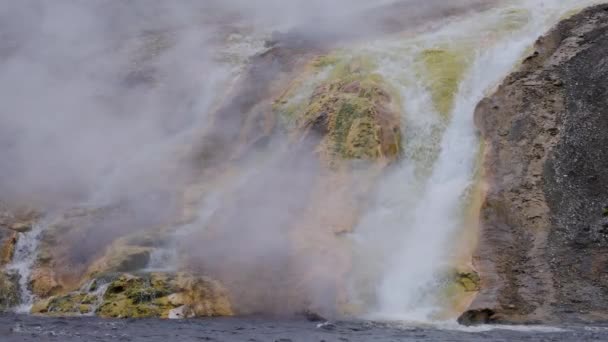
352	111
313	316
178	313
476	317
9	291
542	256
73	304
164	295
327	326
8	241
468	280
135	297
159	295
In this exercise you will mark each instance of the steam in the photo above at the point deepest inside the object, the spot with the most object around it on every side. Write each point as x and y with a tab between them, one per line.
109	103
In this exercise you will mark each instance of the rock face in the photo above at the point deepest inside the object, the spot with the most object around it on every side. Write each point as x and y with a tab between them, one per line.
543	251
160	295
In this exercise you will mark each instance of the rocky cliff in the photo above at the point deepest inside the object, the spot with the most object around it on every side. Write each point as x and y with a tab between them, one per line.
543	251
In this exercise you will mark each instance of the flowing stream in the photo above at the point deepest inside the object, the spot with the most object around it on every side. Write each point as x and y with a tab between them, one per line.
22	263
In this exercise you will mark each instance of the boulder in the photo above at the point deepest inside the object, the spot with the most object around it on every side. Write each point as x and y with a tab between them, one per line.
477	317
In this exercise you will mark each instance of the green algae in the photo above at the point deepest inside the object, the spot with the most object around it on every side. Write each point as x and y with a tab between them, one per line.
350	108
136	297
442	72
9	291
72	304
469	281
458	285
156	294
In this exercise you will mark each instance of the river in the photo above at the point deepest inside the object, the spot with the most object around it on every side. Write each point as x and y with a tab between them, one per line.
29	328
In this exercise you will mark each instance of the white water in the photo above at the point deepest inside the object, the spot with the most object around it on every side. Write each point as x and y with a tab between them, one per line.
98	293
22	263
406	240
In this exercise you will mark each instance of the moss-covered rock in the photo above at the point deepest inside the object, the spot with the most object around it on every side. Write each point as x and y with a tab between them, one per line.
458	287
469	281
68	305
148	295
353	111
202	296
135	297
9	291
157	294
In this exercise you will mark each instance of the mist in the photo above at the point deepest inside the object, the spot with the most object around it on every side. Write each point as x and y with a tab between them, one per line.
129	103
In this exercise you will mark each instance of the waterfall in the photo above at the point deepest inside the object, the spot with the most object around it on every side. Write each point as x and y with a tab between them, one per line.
406	242
22	263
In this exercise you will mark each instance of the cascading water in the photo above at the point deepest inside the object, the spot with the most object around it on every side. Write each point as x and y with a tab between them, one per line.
95	289
406	243
22	263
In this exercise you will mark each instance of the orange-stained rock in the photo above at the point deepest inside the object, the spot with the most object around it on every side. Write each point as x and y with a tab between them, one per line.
43	282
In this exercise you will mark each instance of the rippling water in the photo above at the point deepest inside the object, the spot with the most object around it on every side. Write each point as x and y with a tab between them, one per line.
28	328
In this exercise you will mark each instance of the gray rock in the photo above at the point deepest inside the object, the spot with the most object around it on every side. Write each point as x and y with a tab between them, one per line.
542	248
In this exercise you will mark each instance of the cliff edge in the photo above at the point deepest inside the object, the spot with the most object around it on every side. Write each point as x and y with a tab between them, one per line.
543	246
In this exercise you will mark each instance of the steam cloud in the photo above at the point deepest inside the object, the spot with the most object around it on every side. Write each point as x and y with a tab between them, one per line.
101	102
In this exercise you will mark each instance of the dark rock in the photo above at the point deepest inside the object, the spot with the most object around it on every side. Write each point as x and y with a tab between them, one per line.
313	316
476	317
542	243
